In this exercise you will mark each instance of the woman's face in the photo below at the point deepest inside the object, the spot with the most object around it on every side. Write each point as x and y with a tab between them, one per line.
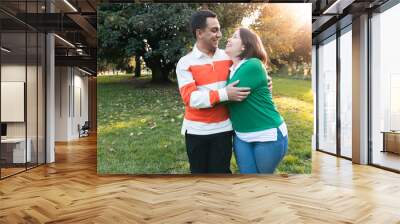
234	46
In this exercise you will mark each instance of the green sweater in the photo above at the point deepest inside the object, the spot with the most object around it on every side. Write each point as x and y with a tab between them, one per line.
257	112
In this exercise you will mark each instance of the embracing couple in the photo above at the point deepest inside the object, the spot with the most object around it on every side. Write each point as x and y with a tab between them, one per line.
228	101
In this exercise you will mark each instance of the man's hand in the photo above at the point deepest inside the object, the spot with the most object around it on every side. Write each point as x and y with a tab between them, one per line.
270	84
237	93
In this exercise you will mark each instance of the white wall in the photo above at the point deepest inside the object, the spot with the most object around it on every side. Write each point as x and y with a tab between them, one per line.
70	83
62	81
12	101
81	82
33	126
13	72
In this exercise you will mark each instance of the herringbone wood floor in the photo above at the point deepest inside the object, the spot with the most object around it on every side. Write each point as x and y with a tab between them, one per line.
70	191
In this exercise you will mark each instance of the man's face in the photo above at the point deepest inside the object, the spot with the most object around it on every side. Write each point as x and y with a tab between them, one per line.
211	34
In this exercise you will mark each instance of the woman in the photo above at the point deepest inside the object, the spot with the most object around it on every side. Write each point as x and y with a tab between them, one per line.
261	138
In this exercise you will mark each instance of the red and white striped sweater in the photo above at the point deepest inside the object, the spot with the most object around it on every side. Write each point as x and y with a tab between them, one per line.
202	81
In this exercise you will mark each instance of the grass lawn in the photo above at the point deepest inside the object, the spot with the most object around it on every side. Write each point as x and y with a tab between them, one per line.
139	126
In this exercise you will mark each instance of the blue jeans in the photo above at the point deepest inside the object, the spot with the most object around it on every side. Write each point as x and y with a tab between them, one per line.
260	157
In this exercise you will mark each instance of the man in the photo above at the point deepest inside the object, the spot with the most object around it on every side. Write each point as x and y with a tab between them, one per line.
202	76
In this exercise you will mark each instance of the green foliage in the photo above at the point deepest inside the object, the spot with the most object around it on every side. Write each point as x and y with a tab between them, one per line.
158	33
286	41
155	32
139	126
229	18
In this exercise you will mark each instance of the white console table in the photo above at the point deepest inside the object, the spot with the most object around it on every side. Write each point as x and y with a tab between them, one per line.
19	149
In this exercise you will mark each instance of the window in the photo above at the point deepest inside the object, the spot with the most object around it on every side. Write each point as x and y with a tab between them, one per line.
22	78
346	92
385	86
327	95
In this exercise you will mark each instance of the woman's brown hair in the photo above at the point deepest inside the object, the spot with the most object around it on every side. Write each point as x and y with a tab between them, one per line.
253	47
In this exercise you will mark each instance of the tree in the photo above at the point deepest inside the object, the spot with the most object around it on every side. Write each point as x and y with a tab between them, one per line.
276	33
138	67
286	41
109	52
302	48
158	33
229	18
155	32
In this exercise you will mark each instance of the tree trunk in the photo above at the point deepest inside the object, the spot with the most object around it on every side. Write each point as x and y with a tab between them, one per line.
137	67
158	75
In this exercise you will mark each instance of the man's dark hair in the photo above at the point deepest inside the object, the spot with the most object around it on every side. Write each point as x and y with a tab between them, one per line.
199	20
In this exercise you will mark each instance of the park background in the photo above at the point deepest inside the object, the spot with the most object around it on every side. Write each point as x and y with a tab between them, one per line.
140	111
